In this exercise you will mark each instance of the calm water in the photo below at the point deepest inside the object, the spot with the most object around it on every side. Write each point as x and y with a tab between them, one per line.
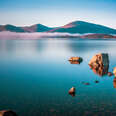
35	77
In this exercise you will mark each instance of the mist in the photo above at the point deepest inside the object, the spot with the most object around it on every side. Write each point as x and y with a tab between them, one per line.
36	35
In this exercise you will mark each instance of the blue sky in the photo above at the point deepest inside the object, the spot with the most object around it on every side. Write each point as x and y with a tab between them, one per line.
57	12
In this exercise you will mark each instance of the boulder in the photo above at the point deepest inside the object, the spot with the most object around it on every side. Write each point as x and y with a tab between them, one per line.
75	60
100	64
72	91
7	113
114	71
114	82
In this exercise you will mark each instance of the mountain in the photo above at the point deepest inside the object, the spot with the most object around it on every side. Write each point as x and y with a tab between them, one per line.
36	28
11	28
84	27
80	27
33	28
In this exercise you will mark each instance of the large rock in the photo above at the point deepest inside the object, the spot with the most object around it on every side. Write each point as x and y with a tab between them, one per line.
7	113
114	82
100	64
114	71
75	60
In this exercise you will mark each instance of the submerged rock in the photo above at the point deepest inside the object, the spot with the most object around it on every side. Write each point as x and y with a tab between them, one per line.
96	81
114	71
7	113
110	74
100	64
85	83
75	60
72	91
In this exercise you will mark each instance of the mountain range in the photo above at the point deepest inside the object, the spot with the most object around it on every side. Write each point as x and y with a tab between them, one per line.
80	27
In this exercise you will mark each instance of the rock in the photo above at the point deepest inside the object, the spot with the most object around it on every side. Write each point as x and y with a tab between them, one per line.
7	113
114	82
96	81
100	64
114	71
72	91
110	74
75	60
100	59
85	83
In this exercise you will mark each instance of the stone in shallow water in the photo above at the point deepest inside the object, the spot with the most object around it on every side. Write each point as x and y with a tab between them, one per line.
96	81
85	83
72	91
7	113
75	60
114	71
110	74
100	64
114	82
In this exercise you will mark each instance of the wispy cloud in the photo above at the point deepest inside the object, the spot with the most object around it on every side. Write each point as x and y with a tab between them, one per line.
39	35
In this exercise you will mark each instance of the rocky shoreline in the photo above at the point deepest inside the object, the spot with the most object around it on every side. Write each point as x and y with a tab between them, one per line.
99	64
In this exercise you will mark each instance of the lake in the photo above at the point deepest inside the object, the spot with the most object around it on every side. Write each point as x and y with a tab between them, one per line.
35	77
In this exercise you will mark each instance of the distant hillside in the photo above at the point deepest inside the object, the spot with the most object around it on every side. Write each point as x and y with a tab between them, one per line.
36	28
84	27
11	28
33	28
93	36
80	27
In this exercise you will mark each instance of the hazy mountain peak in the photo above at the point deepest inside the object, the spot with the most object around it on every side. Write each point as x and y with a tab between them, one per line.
84	27
80	27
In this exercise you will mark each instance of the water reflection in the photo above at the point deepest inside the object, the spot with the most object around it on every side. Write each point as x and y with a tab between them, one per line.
74	62
61	47
101	71
43	81
72	94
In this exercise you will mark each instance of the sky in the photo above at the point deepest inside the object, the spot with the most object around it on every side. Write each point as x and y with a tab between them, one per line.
55	13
